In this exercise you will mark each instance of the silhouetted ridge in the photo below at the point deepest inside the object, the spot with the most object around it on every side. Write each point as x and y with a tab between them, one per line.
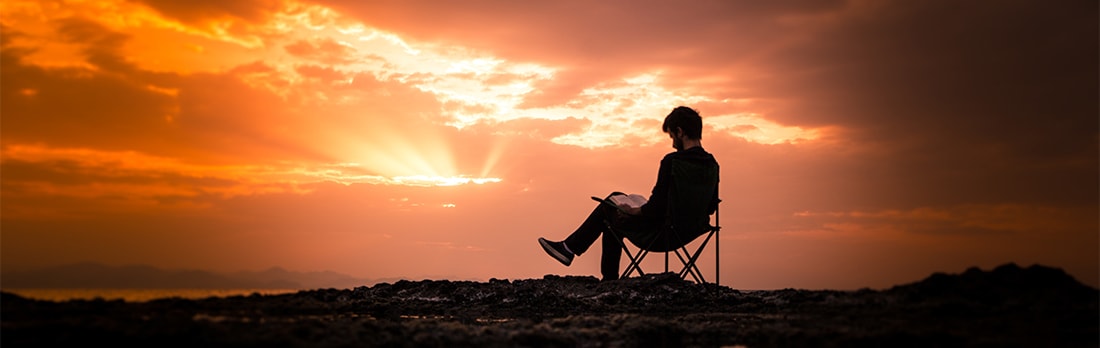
1006	284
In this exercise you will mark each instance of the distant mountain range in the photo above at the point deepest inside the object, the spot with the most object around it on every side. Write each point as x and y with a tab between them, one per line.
98	276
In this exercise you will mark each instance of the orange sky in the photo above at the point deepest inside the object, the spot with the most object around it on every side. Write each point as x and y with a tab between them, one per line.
862	143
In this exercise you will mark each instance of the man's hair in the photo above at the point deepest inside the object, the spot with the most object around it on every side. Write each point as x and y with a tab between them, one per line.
686	119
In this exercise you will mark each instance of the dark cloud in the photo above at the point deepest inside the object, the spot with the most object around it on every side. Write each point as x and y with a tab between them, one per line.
90	33
974	102
590	42
74	106
195	11
23	181
102	47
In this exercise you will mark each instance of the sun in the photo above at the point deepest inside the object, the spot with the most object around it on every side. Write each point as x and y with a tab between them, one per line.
393	156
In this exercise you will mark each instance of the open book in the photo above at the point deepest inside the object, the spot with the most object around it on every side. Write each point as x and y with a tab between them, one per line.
632	200
623	201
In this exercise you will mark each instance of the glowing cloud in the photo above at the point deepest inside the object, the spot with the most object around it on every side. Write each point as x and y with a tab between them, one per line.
350	173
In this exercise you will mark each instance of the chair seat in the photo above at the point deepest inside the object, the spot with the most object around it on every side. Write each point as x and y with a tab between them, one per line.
665	241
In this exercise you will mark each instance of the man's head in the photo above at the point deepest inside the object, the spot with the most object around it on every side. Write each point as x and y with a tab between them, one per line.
683	122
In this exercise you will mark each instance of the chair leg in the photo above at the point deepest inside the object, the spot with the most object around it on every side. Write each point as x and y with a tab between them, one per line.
635	261
699	252
689	264
689	268
635	264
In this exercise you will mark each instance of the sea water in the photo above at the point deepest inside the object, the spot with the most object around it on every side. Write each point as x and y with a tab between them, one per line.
138	295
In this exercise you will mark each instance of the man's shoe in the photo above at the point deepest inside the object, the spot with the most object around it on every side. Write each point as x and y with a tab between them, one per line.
557	251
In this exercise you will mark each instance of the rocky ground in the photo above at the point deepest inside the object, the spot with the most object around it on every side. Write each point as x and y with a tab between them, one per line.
1008	306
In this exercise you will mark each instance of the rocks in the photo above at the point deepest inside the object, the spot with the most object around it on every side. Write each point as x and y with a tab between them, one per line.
1008	306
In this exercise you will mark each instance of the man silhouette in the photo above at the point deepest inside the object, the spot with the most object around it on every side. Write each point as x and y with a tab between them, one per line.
685	127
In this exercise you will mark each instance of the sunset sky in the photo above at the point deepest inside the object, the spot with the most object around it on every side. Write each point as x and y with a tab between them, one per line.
862	143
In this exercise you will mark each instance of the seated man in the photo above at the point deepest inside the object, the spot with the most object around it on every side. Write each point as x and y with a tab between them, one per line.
685	127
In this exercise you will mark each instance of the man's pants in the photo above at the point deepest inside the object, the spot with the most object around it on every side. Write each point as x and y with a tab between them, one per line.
593	227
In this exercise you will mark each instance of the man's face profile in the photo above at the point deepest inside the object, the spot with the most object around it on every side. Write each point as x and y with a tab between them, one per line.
677	142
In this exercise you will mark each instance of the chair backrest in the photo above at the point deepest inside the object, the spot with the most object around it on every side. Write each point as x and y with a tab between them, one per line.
691	197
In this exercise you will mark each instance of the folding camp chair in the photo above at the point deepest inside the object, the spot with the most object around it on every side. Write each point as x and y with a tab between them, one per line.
693	187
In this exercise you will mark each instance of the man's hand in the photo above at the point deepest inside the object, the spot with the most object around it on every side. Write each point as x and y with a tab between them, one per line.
632	210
